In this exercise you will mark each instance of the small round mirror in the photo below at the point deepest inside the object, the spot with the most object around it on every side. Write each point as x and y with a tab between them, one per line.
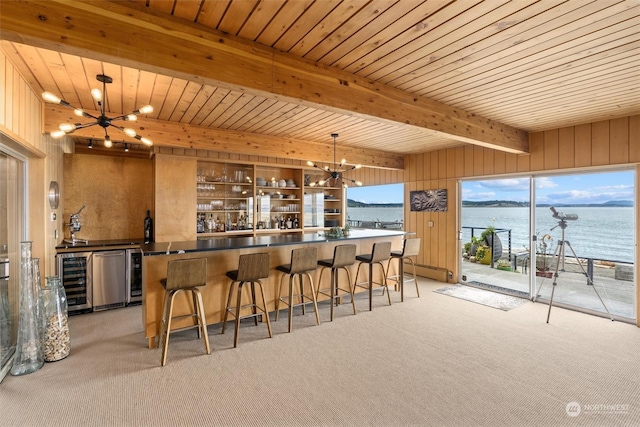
54	195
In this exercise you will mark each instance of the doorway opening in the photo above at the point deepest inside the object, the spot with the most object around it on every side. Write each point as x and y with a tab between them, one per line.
495	234
592	214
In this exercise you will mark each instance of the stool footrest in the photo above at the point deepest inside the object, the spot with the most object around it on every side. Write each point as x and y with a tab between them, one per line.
396	278
184	328
258	308
297	304
365	285
327	292
184	316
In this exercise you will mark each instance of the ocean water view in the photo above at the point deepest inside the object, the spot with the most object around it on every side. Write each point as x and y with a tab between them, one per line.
599	232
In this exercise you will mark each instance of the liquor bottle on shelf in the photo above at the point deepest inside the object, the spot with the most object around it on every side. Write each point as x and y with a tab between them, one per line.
289	224
200	224
296	223
211	226
148	228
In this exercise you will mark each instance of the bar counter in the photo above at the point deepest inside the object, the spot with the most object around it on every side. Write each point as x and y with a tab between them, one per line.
222	255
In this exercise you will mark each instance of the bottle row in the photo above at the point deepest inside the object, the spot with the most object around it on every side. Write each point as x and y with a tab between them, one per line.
211	224
220	205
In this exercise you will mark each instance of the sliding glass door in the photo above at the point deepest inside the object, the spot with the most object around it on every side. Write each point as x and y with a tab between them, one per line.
12	202
585	231
580	226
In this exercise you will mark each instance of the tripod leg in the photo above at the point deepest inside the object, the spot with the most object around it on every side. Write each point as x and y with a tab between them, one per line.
589	281
553	289
555	254
560	251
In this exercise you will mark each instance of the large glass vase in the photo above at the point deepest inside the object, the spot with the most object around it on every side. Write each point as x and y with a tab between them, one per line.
57	343
29	356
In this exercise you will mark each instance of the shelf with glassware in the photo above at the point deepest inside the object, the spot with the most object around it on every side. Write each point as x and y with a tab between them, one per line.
225	202
326	202
278	200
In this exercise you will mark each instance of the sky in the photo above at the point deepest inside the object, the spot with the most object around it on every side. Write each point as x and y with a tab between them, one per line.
561	189
390	193
575	188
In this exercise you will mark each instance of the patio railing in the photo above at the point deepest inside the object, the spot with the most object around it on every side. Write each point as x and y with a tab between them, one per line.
623	269
496	231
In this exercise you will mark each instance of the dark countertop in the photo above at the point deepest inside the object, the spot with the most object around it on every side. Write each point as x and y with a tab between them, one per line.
97	245
216	244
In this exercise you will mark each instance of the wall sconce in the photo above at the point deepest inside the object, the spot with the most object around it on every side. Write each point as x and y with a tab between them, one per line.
126	147
90	144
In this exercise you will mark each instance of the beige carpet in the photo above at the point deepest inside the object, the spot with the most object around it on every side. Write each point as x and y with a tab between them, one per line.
436	360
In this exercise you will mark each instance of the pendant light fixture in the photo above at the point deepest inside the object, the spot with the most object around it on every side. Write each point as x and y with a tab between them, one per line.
337	173
102	120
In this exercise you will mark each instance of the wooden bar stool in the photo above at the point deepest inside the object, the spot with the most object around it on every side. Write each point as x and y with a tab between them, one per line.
343	257
183	275
303	261
410	248
251	268
381	252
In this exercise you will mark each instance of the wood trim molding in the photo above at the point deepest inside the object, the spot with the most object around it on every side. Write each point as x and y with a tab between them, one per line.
181	135
12	140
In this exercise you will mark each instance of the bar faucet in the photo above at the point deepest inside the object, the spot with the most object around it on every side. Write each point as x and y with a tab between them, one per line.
74	227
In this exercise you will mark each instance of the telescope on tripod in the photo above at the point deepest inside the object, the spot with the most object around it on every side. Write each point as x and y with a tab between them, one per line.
559	255
562	216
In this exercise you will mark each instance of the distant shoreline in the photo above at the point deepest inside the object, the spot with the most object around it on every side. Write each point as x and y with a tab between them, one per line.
512	204
354	204
504	204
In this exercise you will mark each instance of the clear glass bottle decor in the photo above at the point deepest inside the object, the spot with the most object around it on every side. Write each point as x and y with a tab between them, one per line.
29	355
57	343
37	290
5	322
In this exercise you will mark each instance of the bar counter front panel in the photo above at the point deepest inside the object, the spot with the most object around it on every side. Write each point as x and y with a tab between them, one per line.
222	255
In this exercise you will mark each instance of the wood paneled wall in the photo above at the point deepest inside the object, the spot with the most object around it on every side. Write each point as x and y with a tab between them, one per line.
20	110
175	198
609	143
21	126
116	190
371	176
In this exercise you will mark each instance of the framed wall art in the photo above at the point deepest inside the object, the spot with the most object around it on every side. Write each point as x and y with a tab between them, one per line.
428	200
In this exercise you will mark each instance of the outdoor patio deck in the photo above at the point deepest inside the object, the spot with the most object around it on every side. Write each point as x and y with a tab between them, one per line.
572	288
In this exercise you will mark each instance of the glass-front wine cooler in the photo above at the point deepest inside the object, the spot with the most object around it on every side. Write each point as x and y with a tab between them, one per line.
74	270
134	276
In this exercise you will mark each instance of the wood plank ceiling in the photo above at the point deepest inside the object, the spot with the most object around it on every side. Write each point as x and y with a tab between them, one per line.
529	64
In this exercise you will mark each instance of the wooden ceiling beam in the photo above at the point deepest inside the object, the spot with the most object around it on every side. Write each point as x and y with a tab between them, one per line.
132	35
181	135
